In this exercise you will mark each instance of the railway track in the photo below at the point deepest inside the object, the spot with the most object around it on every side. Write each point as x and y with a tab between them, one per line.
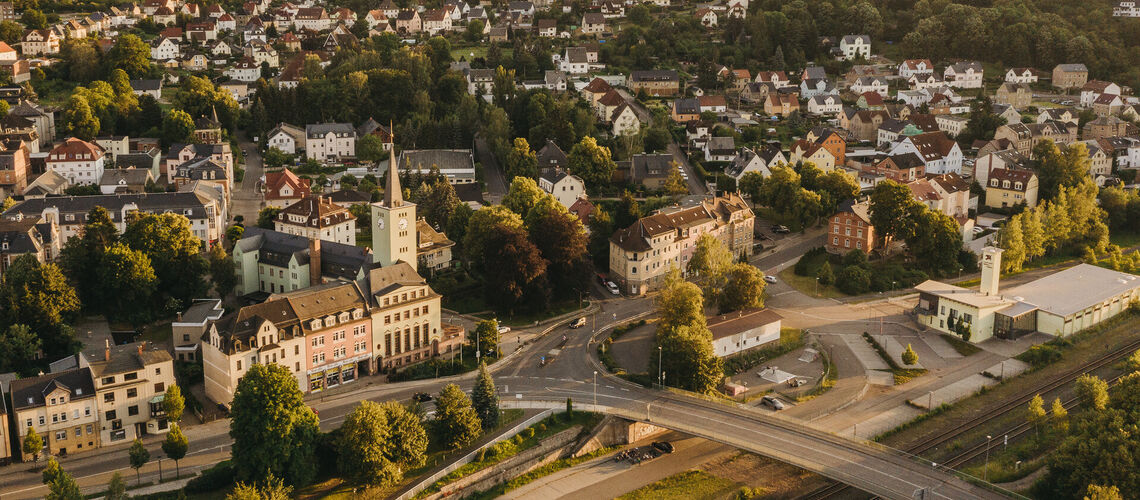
967	454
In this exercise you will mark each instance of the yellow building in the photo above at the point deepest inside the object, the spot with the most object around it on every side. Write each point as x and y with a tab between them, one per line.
61	407
1009	187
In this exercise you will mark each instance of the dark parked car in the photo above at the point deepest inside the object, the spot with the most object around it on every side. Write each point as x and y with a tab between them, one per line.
663	446
421	397
781	229
772	403
224	409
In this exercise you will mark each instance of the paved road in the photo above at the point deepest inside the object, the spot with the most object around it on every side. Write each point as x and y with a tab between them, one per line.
493	176
695	184
247	199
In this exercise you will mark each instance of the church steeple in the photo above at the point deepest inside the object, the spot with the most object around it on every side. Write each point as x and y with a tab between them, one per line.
393	195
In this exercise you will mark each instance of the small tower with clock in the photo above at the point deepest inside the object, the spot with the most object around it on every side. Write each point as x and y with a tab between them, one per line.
394	222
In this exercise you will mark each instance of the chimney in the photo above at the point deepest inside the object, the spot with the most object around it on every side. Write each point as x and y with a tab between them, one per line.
106	349
314	262
991	270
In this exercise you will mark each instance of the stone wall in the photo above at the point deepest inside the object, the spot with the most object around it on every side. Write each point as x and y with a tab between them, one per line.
549	450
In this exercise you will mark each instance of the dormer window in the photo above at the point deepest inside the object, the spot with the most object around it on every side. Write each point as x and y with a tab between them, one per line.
316	324
1017	186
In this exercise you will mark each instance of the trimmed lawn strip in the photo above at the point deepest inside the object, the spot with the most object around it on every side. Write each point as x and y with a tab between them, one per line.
692	484
807	285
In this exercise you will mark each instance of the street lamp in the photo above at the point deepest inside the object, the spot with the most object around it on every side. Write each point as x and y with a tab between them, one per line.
986	471
660	374
817	286
595	390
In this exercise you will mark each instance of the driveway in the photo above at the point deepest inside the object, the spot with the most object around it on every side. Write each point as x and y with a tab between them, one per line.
696	186
247	199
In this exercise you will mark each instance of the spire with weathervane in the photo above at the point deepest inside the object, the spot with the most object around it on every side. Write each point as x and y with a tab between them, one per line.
393	195
394	237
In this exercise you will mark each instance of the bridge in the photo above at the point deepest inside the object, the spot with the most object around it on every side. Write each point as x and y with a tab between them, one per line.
867	466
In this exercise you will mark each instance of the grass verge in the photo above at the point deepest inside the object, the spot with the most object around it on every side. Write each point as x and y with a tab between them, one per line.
808	286
538	473
964	348
902	375
526	439
692	484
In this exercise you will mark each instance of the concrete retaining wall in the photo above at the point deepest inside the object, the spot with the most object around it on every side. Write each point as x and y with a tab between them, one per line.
613	431
549	450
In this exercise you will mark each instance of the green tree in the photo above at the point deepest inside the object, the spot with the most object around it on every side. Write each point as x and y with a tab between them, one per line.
485	399
11	32
824	275
1060	167
675	184
562	241
63	487
1097	492
456	423
174	252
684	338
173	403
1060	416
139	457
892	208
591	162
81	59
131	54
128	284
909	357
274	488
486	335
521	161
515	270
743	288
222	270
34	19
266	216
935	239
480	226
274	431
523	195
32	445
177	126
1035	411
79	120
854	280
175	445
372	443
1092	392
52	470
1011	239
117	488
709	262
18	349
370	148
474	30
275	158
750	184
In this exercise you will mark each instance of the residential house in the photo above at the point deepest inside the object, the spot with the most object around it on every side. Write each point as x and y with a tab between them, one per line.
744	331
940	154
287	138
1025	136
130	384
317	218
311	18
654	82
1021	75
751	161
1063	115
1018	95
781	104
779	79
78	161
574	61
902	168
551	156
707	17
1070	76
48	183
951	195
864	124
624	121
712	103
1093	89
187	329
1008	112
1100	160
593	23
1011	187
15	163
60	407
372	127
912	67
831	140
565	187
245	70
125	180
964	75
854	47
850	229
152	88
436	21
875	84
433	249
649	170
330	141
642	254
1005	159
20	238
721	149
408	21
686	110
805	151
814	87
952	125
825	105
480	81
40	42
923	81
206	213
1107	105
1107	126
164	49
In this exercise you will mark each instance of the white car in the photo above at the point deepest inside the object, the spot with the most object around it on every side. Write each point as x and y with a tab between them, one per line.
769	278
504	329
613	288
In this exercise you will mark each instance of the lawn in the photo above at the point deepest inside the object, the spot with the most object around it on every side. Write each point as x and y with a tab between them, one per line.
808	285
529	319
692	485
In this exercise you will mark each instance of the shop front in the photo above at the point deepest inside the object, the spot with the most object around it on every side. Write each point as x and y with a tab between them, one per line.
335	374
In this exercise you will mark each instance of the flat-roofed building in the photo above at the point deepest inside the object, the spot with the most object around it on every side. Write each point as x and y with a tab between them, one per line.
741	331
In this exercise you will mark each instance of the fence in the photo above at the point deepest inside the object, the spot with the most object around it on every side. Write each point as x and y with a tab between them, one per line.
468	458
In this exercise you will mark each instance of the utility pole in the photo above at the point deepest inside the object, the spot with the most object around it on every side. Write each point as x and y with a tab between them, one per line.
660	373
595	390
986	471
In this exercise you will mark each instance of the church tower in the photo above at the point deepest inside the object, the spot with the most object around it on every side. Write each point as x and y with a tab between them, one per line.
394	221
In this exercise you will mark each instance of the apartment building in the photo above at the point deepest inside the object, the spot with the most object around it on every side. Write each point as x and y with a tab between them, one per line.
318	218
269	262
643	253
330	141
850	229
61	407
78	161
130	382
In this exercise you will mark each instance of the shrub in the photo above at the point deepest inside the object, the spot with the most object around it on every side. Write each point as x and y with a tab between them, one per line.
854	280
824	274
528	432
1041	355
810	262
212	479
855	257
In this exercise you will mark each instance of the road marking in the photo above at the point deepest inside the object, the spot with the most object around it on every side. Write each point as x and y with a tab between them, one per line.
624	389
609	387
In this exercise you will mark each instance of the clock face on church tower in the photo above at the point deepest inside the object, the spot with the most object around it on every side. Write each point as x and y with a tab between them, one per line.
380	222
403	223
